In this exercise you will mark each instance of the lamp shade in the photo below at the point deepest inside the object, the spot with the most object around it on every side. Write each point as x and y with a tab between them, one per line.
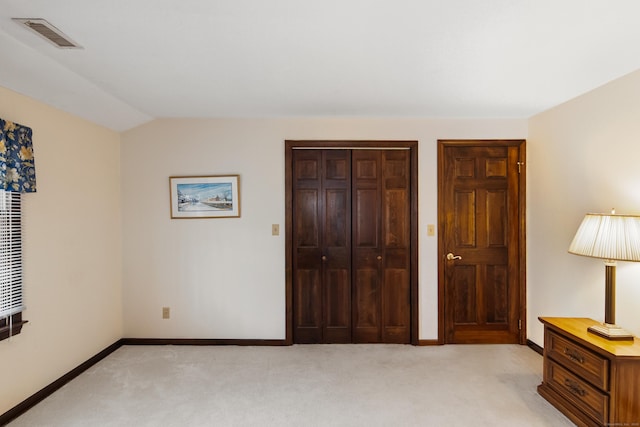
608	236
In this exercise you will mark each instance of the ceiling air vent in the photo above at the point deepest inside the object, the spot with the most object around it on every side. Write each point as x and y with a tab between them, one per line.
49	32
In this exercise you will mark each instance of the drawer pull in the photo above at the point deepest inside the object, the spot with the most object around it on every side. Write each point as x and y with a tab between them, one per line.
574	387
574	355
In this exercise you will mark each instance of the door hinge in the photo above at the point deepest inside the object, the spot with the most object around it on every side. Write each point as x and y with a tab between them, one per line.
519	324
520	164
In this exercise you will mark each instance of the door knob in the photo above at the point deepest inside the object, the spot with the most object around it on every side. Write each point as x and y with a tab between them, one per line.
451	256
324	257
379	257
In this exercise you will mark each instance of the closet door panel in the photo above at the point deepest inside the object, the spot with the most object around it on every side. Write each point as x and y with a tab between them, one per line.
367	249
336	237
307	247
308	316
396	294
306	210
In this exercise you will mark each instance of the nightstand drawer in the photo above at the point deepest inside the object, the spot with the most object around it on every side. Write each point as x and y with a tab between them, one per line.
589	399
593	381
591	366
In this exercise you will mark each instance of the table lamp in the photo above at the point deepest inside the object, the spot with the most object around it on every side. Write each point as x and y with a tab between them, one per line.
612	238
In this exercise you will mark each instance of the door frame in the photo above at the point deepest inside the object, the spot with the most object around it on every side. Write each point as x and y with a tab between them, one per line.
522	249
291	145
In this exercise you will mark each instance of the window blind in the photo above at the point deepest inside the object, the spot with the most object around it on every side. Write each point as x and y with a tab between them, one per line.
10	254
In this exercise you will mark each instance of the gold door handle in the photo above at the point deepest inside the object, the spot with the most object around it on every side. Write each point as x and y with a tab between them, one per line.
379	258
451	256
324	257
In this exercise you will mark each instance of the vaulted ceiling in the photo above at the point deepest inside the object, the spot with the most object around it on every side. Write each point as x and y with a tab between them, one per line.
146	59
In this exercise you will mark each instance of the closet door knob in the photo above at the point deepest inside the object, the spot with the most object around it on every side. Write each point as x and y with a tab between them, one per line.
324	257
379	258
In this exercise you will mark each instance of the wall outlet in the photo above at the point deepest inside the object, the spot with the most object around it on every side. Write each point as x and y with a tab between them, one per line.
166	312
275	229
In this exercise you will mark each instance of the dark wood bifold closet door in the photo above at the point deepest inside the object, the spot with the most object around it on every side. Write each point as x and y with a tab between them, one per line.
322	246
351	246
381	248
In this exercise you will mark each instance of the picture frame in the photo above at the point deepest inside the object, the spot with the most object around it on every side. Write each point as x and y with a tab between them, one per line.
215	196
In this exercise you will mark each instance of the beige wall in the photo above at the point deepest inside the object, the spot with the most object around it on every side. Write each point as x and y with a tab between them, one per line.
225	278
72	249
583	156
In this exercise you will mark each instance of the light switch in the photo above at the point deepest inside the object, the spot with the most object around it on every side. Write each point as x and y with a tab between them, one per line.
431	230
275	229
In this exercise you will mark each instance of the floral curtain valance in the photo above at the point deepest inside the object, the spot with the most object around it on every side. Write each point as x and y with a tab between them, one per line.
17	168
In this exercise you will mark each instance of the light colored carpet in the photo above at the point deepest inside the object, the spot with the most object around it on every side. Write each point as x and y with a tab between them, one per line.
304	385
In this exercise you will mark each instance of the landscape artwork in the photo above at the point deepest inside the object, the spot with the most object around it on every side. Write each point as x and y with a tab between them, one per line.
204	196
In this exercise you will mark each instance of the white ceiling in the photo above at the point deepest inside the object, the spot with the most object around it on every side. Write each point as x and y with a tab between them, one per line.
145	59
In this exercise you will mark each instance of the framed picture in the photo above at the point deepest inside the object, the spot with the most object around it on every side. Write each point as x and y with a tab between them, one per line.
205	196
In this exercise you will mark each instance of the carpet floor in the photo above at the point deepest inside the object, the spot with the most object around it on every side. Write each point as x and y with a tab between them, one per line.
304	385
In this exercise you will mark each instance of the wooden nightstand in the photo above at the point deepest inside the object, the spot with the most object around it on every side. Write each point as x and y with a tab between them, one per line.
593	381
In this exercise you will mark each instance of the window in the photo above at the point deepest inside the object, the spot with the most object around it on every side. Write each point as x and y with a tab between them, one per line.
11	304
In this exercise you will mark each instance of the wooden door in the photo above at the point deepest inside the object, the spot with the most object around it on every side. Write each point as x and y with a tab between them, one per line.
481	220
322	246
352	246
381	246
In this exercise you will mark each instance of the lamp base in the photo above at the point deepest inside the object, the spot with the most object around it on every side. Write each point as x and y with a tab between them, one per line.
610	332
